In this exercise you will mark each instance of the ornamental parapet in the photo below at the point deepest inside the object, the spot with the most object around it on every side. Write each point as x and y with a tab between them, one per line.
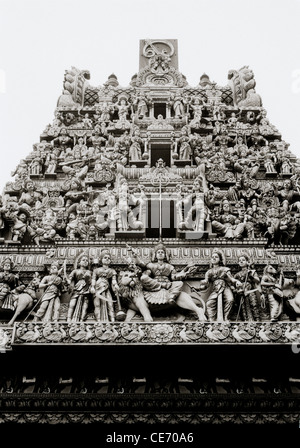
156	333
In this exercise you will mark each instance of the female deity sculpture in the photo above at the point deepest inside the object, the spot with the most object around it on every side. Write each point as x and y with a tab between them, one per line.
9	284
104	282
183	142
50	300
135	150
80	149
178	106
248	294
141	104
51	163
218	283
162	285
269	164
80	279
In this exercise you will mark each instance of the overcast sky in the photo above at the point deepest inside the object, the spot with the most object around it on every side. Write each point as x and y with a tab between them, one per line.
40	39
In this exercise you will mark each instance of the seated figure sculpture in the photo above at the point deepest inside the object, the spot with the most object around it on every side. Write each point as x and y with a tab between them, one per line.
228	225
162	285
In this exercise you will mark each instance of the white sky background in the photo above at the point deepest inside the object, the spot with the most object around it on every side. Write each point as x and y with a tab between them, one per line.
40	39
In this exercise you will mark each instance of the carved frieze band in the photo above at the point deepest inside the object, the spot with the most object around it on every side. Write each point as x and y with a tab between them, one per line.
158	333
179	255
149	418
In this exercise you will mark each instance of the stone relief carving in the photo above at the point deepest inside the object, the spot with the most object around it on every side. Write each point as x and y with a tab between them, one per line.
114	161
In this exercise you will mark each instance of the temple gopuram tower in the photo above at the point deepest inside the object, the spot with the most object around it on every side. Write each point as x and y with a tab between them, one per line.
150	257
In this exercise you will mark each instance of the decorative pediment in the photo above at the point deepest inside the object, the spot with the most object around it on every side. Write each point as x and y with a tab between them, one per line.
169	77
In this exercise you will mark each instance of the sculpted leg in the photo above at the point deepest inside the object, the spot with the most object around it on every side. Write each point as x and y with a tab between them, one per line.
71	310
228	300
130	314
142	306
84	309
23	303
185	301
211	306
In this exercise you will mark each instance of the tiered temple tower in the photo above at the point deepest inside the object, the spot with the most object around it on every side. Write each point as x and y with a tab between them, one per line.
154	221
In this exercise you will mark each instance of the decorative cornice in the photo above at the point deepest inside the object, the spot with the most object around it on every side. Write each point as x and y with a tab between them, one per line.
149	409
157	333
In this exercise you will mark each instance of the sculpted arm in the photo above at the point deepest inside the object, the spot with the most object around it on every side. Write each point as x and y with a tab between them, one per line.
93	283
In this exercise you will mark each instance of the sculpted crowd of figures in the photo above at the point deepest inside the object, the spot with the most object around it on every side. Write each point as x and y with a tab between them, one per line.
111	155
236	177
151	290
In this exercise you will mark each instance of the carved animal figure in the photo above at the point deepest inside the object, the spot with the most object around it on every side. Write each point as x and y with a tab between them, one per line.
75	83
25	300
242	83
241	334
292	334
217	333
131	289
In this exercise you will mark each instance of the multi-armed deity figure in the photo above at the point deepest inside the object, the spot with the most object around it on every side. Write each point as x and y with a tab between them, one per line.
162	284
219	283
